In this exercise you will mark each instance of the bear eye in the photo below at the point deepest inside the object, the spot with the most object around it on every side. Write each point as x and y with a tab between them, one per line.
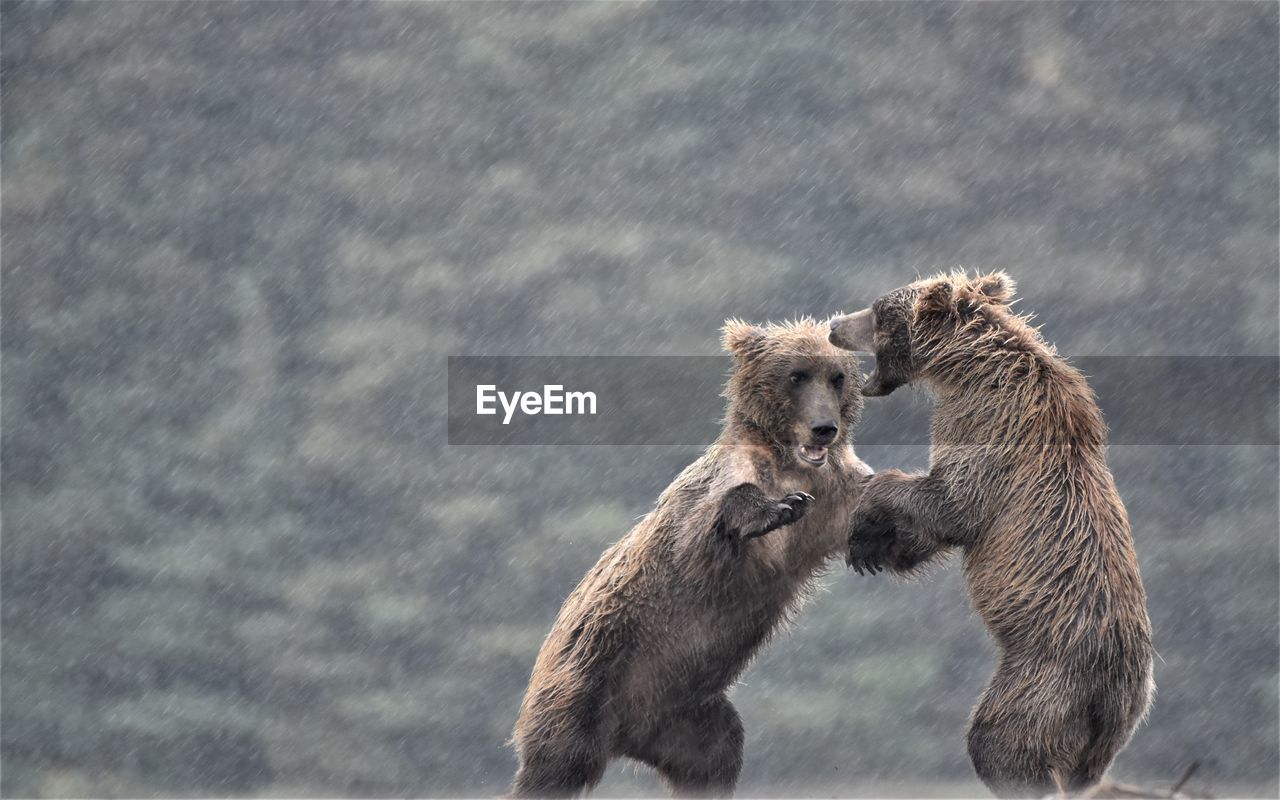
838	381
798	378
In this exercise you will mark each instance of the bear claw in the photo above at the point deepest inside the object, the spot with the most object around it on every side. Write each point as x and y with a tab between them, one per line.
782	513
792	507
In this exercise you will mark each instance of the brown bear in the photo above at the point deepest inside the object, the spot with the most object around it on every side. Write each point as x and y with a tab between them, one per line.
644	650
1018	481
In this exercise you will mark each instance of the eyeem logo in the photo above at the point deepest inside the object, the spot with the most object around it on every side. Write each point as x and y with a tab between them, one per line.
553	401
676	400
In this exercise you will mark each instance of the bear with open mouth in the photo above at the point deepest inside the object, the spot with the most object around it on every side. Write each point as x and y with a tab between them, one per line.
641	657
1018	482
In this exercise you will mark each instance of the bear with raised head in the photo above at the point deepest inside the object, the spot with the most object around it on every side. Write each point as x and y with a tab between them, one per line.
1018	482
644	650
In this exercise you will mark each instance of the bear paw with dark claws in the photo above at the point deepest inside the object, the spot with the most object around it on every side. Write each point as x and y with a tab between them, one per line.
782	513
871	541
793	507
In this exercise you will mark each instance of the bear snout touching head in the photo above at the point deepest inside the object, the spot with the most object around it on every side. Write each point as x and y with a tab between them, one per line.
902	327
854	331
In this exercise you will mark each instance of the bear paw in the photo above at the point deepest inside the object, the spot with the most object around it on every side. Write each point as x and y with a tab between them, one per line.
871	540
782	513
793	507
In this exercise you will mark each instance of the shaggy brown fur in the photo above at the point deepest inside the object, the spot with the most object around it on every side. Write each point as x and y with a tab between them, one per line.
640	659
1019	482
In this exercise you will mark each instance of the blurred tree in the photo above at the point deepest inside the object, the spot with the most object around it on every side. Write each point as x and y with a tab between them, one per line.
240	239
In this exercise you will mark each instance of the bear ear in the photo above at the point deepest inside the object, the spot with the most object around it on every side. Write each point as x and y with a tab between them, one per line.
995	287
742	338
937	296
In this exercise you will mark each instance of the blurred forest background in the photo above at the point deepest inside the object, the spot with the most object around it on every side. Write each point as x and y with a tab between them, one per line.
239	241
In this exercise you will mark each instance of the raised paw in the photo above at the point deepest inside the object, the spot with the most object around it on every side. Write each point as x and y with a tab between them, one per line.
789	509
796	505
871	539
782	513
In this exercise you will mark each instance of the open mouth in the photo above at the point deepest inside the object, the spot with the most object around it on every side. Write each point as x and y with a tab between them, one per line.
813	454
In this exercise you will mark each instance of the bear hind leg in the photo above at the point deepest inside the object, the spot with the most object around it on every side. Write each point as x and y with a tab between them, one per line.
698	753
1012	739
555	771
1006	765
1110	722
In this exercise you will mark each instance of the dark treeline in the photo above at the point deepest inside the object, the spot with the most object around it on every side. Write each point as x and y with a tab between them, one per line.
240	240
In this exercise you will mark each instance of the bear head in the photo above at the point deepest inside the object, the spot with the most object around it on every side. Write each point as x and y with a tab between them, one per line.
791	388
910	328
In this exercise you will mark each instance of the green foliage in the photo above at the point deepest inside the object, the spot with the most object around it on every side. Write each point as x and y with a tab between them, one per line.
239	556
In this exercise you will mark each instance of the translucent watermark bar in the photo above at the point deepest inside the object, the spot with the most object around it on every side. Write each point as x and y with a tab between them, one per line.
677	400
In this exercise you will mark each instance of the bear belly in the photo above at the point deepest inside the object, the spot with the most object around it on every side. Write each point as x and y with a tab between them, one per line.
701	653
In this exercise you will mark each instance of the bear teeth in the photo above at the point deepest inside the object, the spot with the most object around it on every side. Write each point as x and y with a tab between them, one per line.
814	455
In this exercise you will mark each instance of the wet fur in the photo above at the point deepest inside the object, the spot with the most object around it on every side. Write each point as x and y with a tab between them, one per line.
1018	482
640	659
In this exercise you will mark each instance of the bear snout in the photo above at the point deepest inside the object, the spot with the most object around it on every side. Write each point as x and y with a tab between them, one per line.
854	331
825	432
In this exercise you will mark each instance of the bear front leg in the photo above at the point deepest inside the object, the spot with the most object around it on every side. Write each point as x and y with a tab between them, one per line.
902	521
871	539
747	513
